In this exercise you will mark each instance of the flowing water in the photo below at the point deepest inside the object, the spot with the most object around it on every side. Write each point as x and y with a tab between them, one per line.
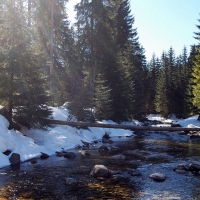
153	152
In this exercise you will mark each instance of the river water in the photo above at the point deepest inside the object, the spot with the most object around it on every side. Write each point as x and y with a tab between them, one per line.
153	152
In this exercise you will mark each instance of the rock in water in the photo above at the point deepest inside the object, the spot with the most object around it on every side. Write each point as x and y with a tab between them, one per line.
194	167
158	176
100	171
14	159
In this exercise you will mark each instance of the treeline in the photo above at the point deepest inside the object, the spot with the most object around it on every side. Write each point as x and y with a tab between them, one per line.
97	65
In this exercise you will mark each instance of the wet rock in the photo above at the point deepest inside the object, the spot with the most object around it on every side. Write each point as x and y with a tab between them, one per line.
104	140
194	167
100	171
69	155
133	172
175	125
158	177
103	149
114	149
85	147
180	171
44	155
194	136
85	153
106	136
70	183
78	146
33	161
59	154
14	159
85	143
113	172
7	152
182	166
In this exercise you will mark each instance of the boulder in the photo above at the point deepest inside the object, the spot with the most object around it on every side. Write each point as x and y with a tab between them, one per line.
100	171
157	177
14	159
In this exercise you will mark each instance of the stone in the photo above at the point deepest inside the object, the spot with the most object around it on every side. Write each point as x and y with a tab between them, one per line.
44	155
100	171
85	153
105	140
69	155
180	171
59	154
85	143
14	159
103	149
158	177
33	161
182	166
114	149
194	167
7	152
133	172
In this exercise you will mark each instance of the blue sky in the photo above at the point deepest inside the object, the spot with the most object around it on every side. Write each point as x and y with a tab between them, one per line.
162	24
165	23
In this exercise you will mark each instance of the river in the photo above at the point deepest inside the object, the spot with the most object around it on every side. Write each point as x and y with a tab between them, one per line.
154	152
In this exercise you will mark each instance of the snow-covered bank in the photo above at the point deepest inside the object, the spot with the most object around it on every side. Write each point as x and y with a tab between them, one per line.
30	143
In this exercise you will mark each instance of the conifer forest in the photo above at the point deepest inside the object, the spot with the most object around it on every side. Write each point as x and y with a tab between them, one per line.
97	65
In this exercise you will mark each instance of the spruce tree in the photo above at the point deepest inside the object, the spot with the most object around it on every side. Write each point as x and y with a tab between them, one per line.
21	81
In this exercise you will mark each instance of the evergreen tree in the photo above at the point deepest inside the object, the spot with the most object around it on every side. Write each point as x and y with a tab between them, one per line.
161	97
22	93
102	101
189	108
195	84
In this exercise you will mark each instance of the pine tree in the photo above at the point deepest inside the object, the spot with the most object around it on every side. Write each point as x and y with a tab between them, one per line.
189	108
196	75
102	99
21	81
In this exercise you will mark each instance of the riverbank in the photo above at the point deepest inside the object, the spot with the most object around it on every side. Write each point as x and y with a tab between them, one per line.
29	144
145	153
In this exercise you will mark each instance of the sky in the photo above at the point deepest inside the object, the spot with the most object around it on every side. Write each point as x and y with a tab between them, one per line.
162	24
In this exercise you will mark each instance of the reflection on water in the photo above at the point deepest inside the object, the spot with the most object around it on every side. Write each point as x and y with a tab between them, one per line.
152	152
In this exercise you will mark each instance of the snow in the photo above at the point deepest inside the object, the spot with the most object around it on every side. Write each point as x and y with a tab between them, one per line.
31	143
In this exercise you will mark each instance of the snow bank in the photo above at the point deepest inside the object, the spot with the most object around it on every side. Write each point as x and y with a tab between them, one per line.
30	143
